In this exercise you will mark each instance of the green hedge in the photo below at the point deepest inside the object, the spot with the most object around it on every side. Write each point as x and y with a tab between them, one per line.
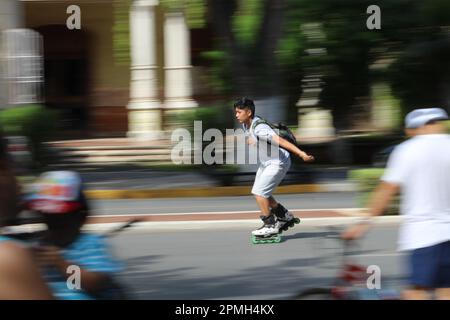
367	180
448	126
219	116
35	122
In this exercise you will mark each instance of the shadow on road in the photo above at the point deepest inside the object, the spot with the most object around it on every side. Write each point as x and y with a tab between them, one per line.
224	265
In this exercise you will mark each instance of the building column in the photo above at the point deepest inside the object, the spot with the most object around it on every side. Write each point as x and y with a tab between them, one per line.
144	108
11	17
177	61
314	122
11	14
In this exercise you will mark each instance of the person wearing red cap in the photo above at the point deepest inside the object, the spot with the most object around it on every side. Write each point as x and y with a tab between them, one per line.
58	196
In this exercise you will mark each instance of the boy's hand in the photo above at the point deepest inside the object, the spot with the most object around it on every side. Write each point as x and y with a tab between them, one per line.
306	157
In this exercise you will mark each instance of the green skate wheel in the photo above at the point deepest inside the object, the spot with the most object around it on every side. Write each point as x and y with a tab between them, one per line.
276	239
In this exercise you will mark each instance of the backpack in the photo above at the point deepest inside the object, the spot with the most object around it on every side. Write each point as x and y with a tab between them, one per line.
280	128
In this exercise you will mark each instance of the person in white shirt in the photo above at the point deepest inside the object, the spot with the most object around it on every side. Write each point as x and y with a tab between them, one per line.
419	168
272	168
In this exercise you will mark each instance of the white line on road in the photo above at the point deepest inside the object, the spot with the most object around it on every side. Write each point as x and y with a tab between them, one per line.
211	224
233	224
349	210
392	254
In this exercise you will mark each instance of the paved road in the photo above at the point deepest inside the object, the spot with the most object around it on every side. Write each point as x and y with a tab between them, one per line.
222	264
221	204
154	179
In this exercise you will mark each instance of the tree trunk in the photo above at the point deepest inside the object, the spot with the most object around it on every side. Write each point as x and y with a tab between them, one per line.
269	35
220	14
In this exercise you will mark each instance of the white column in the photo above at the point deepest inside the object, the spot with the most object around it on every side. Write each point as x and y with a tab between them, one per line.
11	14
385	112
144	115
11	17
23	66
177	60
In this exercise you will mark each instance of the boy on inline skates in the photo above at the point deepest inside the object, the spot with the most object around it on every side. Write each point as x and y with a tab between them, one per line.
272	169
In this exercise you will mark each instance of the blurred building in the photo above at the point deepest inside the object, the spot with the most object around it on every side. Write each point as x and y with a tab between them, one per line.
98	93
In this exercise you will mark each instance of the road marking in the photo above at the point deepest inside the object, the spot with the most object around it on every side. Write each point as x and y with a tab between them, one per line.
381	254
355	210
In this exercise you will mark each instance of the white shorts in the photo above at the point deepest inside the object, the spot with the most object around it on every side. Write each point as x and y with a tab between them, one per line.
268	177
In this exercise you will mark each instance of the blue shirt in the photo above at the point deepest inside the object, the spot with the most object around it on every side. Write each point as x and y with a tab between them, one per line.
89	252
6	238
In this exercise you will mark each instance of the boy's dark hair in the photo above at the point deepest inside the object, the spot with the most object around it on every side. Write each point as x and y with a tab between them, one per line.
245	103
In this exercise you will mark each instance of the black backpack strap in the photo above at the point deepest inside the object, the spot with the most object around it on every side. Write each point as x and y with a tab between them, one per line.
262	121
258	122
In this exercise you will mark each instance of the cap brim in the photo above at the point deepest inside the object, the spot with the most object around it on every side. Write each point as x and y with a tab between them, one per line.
47	206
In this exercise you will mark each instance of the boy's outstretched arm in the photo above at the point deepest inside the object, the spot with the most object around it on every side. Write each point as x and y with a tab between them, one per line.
292	148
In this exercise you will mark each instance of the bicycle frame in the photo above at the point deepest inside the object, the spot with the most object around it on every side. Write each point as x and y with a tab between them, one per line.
350	282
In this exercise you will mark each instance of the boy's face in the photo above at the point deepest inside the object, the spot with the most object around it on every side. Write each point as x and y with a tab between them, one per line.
63	229
243	115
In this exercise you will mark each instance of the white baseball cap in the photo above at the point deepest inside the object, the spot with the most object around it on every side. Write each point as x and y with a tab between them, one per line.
420	117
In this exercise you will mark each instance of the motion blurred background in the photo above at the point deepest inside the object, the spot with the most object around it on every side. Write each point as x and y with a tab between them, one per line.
108	95
99	86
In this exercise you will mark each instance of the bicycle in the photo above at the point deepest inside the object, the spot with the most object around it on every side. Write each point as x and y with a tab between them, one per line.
350	283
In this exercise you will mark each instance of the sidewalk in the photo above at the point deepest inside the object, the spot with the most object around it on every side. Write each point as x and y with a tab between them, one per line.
200	221
224	216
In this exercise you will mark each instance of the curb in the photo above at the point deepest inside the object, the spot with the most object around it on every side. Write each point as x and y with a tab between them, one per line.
215	191
143	227
246	224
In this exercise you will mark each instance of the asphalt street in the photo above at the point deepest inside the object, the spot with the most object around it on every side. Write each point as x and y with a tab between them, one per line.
221	263
222	204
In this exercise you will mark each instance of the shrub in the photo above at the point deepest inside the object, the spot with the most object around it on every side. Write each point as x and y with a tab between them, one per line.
35	122
367	180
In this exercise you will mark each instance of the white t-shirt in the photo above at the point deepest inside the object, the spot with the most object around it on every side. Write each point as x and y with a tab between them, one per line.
421	166
263	134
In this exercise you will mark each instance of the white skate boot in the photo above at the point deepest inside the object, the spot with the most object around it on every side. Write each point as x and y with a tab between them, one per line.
285	219
269	232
